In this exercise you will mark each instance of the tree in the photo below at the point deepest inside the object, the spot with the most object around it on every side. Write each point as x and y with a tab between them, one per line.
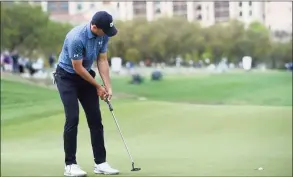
259	42
207	54
23	25
30	30
53	37
280	54
132	54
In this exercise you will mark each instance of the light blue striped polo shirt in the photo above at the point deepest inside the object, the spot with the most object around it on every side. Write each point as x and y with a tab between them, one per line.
81	43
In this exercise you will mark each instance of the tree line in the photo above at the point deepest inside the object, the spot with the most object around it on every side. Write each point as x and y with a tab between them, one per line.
165	39
30	30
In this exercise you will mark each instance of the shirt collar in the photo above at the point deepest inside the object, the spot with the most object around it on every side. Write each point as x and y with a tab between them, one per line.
89	32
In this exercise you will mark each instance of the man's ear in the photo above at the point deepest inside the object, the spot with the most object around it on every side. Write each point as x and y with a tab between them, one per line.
93	26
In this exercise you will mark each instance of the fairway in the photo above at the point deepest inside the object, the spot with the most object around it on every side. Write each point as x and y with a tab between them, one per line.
251	88
165	137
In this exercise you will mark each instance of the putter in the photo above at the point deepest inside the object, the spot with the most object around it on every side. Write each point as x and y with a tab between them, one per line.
111	110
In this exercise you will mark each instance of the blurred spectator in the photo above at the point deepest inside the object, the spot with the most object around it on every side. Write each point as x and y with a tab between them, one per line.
52	60
222	66
289	66
130	67
178	61
7	61
29	66
190	62
147	62
1	62
141	64
35	67
15	58
21	65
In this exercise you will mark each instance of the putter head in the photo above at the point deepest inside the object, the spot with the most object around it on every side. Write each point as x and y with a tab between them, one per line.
135	169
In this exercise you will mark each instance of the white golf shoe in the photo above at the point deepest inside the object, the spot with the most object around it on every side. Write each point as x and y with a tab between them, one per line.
104	168
74	170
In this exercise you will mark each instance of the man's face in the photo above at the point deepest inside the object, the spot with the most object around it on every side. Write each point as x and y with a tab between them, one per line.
97	31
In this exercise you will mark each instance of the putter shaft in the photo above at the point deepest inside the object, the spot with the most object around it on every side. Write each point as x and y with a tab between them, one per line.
118	127
116	122
122	137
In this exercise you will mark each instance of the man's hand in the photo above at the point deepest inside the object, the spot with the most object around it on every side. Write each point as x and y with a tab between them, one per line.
102	93
109	92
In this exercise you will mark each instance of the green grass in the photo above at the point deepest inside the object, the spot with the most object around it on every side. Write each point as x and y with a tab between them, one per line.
165	138
250	88
20	101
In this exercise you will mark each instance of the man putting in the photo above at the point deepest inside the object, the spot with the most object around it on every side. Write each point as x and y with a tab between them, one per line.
76	81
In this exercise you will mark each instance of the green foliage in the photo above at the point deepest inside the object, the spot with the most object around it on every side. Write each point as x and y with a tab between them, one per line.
23	26
207	54
132	54
29	30
195	56
167	38
254	88
280	50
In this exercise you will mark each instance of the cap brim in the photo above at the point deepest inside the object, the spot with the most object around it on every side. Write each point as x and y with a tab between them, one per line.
111	31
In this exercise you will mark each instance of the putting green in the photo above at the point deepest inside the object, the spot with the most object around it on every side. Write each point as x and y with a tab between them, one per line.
164	138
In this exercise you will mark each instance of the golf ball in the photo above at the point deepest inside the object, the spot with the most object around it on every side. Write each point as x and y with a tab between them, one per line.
260	168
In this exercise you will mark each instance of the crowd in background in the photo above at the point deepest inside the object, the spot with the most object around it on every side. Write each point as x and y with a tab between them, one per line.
15	63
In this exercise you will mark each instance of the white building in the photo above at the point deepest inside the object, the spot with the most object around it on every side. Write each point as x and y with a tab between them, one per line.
76	12
73	7
247	11
275	15
278	16
207	13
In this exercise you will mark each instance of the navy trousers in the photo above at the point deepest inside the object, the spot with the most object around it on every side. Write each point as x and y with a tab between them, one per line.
72	88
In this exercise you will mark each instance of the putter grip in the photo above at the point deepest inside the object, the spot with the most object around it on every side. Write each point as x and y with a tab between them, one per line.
110	106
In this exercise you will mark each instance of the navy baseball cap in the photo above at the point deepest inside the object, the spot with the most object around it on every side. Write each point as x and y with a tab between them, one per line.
104	20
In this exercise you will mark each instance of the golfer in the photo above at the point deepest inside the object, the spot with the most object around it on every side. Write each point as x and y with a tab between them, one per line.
76	81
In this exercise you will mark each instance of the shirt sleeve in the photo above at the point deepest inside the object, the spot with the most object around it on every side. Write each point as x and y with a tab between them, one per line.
75	49
105	45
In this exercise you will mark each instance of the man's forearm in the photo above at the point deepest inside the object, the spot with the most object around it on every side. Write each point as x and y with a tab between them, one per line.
87	76
104	71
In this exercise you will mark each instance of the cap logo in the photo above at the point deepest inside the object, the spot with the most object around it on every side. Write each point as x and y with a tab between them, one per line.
111	24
